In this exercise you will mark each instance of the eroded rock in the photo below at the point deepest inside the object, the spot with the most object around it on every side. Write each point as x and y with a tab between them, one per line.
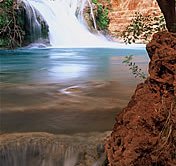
145	131
122	13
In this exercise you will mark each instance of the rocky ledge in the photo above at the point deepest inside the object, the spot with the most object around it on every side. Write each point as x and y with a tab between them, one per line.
145	131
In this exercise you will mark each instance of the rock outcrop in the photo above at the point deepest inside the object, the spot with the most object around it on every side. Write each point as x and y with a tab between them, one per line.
122	12
145	131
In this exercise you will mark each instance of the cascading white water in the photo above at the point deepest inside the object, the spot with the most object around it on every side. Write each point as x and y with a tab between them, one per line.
34	25
43	149
92	14
38	153
67	27
65	30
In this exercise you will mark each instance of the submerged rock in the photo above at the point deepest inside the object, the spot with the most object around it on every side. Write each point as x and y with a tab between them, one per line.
145	131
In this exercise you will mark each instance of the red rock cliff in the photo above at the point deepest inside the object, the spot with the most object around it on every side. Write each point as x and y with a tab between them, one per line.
145	131
122	12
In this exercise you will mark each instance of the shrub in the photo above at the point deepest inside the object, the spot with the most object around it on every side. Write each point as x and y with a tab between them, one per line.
102	17
136	71
11	32
142	28
95	1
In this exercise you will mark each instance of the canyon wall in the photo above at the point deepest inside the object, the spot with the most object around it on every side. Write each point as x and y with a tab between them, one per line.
122	12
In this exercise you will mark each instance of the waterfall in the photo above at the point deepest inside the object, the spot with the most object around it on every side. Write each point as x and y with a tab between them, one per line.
44	149
33	25
39	152
92	14
80	16
66	29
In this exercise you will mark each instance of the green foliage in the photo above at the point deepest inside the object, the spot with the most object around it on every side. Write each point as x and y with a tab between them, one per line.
102	17
95	1
44	29
4	20
136	71
11	32
142	28
5	6
4	42
8	3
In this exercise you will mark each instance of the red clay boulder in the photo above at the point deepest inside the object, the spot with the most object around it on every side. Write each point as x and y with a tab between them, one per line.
145	131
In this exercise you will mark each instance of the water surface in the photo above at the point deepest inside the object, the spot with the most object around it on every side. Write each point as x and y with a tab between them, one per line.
62	65
65	90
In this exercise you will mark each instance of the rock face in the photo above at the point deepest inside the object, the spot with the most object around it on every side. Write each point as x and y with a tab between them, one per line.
122	12
145	131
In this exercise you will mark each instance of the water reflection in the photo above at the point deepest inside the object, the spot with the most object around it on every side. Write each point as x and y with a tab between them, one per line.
68	71
55	65
64	90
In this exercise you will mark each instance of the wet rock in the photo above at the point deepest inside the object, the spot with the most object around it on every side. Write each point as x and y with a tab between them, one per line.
144	132
100	149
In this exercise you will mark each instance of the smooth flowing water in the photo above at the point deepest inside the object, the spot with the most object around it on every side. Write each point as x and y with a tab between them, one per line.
65	65
65	90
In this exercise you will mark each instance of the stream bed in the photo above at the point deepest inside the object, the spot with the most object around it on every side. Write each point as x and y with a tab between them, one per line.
73	94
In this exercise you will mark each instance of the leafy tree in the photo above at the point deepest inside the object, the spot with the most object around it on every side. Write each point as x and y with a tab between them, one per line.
142	27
